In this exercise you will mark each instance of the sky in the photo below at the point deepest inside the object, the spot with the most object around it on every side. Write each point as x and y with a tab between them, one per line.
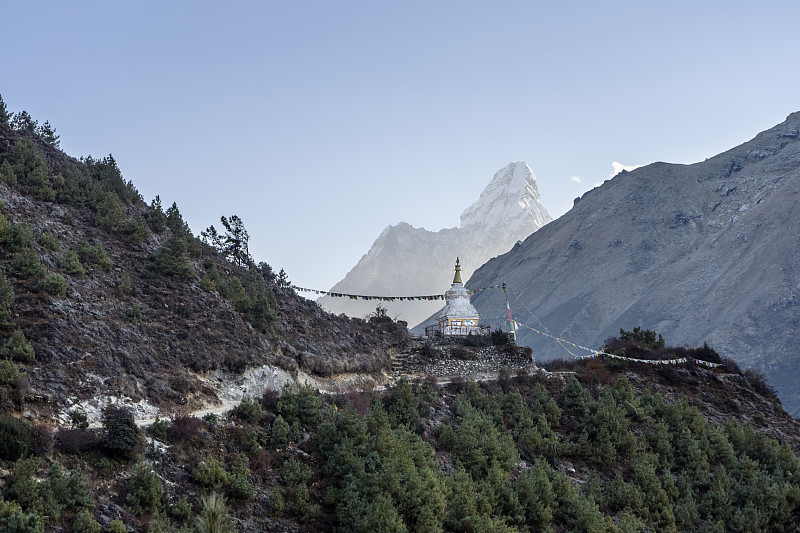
320	123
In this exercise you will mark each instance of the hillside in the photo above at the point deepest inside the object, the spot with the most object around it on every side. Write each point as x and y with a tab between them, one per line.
408	261
706	252
137	308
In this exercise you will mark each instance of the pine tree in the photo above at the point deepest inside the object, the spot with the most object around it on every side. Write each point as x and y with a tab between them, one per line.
235	242
48	133
4	116
24	123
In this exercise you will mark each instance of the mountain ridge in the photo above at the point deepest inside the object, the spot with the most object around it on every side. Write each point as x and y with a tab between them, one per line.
705	252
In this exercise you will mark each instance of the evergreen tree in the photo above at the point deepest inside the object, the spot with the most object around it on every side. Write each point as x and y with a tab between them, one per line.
172	259
235	244
24	123
48	133
6	299
4	116
156	218
120	433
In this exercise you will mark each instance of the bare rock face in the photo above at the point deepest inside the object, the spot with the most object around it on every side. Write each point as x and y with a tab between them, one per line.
409	261
706	252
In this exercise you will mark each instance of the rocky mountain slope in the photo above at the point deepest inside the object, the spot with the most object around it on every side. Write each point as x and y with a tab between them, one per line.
706	252
94	293
409	261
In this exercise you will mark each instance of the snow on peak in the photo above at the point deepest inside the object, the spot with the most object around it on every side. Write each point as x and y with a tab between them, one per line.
511	197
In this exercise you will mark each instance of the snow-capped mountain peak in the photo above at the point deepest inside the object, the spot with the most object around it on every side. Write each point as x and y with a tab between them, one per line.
512	189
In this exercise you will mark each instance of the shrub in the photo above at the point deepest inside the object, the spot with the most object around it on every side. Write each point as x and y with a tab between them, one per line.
145	492
136	229
279	433
248	410
110	212
117	526
172	259
49	241
184	427
211	473
94	256
27	265
75	440
54	285
18	348
156	218
42	439
16	238
16	438
13	519
213	517
120	434
758	381
70	264
9	373
158	429
182	509
7	174
211	420
124	284
6	299
78	419
85	523
133	314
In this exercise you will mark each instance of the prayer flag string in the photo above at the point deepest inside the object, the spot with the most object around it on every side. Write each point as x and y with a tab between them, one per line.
597	353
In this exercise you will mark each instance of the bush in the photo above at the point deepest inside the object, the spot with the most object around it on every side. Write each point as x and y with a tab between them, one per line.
110	212
158	429
18	348
184	427
117	526
13	519
249	411
16	438
279	433
27	265
16	238
49	241
120	435
145	492
42	439
6	299
9	373
70	264
136	230
94	256
75	440
211	473
54	284
85	523
182	509
213	517
78	419
172	259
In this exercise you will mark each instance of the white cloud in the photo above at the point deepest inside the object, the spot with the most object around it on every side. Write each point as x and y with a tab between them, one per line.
576	179
618	167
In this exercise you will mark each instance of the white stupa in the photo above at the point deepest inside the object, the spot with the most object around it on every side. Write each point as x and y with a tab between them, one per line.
458	317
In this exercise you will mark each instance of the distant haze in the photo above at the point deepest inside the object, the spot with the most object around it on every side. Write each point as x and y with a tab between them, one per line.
409	261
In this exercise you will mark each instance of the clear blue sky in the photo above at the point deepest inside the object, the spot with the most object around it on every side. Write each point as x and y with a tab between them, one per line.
320	123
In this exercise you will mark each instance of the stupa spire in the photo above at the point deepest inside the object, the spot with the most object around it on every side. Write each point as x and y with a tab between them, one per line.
457	277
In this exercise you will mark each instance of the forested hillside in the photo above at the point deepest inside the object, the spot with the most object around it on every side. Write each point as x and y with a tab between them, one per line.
102	294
